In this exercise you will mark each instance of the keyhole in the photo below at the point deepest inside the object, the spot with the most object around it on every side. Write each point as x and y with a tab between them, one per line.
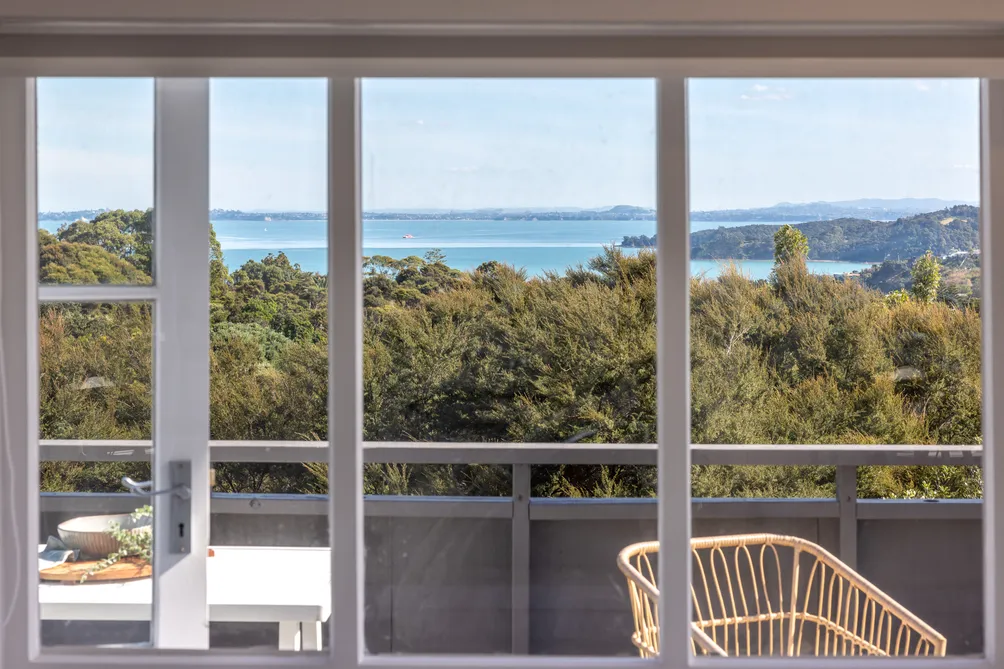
181	530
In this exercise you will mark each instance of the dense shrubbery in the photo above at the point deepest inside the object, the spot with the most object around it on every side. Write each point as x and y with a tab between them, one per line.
491	355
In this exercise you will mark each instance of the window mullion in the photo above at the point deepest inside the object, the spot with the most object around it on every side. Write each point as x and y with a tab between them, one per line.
673	371
992	311
19	630
181	355
345	410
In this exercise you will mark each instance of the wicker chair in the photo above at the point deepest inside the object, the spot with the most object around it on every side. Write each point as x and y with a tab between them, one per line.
765	594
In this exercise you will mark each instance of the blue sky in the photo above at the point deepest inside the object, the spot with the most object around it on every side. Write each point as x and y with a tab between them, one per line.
508	143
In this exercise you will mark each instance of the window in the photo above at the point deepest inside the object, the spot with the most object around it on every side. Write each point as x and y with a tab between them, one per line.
819	317
95	182
358	568
268	337
501	309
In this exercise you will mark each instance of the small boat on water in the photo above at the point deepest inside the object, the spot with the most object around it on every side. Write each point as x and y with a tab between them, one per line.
408	237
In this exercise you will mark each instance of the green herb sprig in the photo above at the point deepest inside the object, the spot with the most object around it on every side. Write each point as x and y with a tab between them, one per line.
136	543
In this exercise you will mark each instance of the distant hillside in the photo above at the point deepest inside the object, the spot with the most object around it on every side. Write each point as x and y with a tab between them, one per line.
621	212
851	239
787	212
69	215
918	205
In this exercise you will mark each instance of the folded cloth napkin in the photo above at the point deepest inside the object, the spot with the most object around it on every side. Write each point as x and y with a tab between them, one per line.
56	552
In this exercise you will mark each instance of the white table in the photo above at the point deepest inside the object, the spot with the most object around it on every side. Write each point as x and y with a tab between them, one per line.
288	586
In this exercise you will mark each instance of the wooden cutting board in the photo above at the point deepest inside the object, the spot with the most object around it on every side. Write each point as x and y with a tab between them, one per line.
127	569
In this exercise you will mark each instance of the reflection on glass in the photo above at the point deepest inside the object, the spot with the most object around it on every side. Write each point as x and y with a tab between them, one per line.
838	221
95	180
95	395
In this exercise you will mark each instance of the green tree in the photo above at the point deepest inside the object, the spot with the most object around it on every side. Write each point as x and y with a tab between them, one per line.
433	256
70	262
896	298
790	245
126	234
926	278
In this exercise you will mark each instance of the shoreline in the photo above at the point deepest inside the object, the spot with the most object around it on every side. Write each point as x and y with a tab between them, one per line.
741	260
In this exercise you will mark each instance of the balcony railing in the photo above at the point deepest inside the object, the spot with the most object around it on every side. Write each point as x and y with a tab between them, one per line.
845	509
845	505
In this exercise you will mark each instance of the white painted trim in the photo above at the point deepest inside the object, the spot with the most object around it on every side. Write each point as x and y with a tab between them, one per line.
181	355
19	501
673	370
99	293
345	371
855	662
503	662
61	657
992	311
569	28
125	65
449	12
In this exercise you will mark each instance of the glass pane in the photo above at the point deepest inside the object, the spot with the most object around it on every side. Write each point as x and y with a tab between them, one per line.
268	354
835	300
95	180
508	301
95	398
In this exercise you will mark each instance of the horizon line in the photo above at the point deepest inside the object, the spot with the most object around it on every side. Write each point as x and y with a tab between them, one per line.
554	209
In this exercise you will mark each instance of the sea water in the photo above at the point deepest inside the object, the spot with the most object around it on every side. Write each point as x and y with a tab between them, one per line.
536	246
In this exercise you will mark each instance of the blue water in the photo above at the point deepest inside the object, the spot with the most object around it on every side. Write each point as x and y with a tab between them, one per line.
537	246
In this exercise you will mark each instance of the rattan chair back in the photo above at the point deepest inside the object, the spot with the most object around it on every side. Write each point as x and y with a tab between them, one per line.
767	594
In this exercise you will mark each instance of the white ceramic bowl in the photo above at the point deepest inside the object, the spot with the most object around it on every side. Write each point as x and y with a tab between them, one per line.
91	534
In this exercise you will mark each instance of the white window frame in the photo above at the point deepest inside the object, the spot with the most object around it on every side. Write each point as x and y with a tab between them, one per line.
180	358
18	326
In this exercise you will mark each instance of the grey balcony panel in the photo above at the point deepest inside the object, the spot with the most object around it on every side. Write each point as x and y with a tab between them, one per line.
932	567
721	507
451	585
575	585
927	509
405	506
628	508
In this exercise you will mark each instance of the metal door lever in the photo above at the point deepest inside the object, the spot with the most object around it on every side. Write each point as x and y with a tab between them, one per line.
144	489
180	508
